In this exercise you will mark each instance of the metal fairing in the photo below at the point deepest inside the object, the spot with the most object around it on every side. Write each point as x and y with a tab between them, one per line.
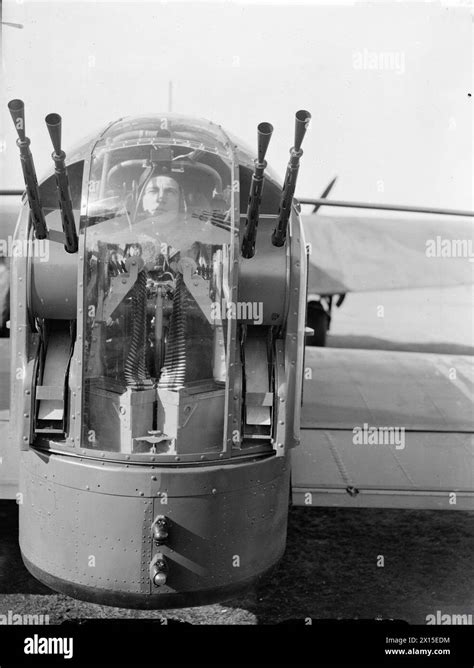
135	492
227	526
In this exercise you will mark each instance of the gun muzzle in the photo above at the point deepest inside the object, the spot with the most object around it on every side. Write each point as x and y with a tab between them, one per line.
17	111
53	123
326	192
302	119
264	133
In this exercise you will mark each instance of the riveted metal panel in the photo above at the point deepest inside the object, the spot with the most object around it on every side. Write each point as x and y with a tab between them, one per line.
222	539
227	526
68	534
9	454
42	520
111	541
24	342
149	481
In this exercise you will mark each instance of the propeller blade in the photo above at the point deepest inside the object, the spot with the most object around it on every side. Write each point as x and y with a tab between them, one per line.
12	25
325	193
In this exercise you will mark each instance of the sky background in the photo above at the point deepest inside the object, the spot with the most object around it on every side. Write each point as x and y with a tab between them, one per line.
399	134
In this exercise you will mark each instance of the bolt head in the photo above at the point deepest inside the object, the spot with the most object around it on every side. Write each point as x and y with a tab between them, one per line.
159	579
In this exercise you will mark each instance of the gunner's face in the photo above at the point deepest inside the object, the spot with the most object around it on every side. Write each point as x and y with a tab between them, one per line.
161	196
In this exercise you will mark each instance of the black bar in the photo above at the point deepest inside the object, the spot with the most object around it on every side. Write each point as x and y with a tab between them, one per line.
302	641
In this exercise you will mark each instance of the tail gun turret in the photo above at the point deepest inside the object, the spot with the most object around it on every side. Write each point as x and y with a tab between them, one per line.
53	122
264	131
301	123
17	111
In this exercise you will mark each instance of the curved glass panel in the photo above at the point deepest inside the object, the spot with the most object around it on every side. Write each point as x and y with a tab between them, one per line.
157	244
182	130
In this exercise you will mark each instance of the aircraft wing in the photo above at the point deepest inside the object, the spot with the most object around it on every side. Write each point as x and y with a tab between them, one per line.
350	254
345	459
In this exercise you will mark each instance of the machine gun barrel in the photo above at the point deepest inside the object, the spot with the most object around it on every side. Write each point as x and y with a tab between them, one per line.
53	122
301	123
17	111
264	132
